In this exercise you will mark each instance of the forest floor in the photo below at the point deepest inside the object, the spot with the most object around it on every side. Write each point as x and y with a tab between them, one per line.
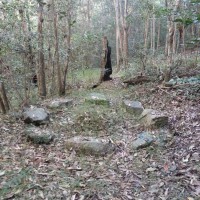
171	172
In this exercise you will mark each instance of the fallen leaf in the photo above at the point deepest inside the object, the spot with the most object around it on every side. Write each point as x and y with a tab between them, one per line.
166	167
41	194
2	173
186	159
151	169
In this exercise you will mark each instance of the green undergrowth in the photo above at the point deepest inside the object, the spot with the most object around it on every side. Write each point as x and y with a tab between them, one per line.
84	77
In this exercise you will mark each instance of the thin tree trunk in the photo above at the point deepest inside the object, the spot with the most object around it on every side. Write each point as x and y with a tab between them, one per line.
153	33
146	30
170	42
183	39
68	46
158	34
174	40
88	13
4	97
116	4
104	57
25	55
125	26
57	57
41	63
3	109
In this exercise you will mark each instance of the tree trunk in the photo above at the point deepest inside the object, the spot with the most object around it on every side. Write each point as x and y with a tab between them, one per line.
125	26
4	100
116	4
153	33
146	30
104	57
67	38
28	55
170	38
174	40
3	109
41	63
57	57
158	34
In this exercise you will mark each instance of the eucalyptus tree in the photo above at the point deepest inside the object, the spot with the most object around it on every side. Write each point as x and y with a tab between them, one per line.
41	62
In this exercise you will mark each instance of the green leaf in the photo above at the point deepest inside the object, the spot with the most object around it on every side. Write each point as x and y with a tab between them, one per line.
185	21
198	17
178	20
195	1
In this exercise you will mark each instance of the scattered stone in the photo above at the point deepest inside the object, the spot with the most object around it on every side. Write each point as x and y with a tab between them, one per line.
90	146
60	103
167	84
36	116
162	136
133	107
146	136
98	99
144	140
16	115
190	80
153	119
39	136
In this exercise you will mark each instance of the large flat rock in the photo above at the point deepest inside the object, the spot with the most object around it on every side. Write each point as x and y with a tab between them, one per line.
90	146
36	116
158	137
144	140
59	103
39	136
97	98
153	119
133	107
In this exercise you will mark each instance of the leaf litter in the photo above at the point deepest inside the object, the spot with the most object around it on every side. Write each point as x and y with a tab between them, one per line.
30	171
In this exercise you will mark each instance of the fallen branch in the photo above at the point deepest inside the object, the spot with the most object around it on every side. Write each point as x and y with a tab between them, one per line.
137	80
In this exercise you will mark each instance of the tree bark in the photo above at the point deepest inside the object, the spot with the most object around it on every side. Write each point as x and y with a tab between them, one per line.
125	27
57	57
3	109
67	38
41	63
153	33
104	57
4	98
158	34
146	30
116	4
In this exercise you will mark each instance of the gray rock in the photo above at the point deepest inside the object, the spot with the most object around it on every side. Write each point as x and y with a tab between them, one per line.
153	119
144	140
98	99
60	103
16	115
39	136
133	107
146	136
37	116
168	84
90	146
162	136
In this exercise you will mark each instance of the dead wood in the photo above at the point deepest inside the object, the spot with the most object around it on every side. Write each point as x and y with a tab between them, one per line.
137	80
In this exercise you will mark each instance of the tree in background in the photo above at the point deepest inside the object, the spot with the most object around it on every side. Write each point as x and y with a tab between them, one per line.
41	62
